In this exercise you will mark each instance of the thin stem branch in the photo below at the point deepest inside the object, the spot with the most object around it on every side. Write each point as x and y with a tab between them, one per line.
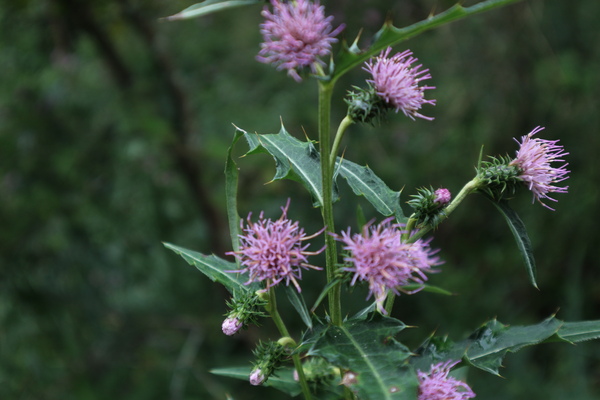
272	308
325	92
469	188
346	122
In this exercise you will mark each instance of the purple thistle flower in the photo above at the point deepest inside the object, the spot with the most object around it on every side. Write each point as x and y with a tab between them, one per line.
442	197
379	257
437	385
295	35
272	251
533	161
397	82
231	325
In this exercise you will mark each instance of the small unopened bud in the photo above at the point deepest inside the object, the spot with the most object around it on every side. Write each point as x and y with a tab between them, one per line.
442	197
231	325
256	377
349	379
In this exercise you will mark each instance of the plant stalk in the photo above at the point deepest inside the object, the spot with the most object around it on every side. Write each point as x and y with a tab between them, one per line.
325	92
346	122
272	307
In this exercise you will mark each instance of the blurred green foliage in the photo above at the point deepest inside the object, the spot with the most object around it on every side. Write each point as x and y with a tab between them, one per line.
114	128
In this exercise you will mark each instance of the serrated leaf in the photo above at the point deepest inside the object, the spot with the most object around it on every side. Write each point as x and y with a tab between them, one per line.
294	160
364	182
578	331
210	6
231	185
299	304
283	380
389	35
487	347
367	349
213	267
298	160
517	227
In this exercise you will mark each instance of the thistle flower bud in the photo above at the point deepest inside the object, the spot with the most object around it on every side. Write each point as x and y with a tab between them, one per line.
442	197
231	325
246	308
364	105
256	377
429	205
269	356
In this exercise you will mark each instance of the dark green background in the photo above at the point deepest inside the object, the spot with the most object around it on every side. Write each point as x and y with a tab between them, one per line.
114	128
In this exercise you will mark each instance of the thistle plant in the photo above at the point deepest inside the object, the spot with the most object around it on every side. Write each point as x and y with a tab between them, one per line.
361	356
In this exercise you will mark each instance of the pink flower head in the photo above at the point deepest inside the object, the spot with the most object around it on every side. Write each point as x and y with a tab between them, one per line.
295	35
231	325
397	82
442	196
437	385
256	377
533	161
379	257
272	251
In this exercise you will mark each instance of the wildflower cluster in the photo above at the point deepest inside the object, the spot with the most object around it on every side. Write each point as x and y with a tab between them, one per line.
391	258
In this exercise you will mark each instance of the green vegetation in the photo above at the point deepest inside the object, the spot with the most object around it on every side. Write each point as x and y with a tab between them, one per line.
114	128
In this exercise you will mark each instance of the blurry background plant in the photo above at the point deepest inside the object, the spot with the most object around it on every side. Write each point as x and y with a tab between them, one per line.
113	131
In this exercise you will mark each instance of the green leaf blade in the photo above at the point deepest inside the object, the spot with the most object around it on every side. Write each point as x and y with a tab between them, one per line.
299	304
519	231
294	159
282	380
389	35
581	331
487	346
364	182
209	7
367	349
231	192
213	267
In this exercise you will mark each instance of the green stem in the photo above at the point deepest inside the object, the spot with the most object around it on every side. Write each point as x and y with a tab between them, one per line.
325	92
389	302
346	122
272	308
469	188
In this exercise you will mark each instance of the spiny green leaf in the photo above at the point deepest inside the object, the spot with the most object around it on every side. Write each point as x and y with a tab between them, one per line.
578	331
294	160
517	227
367	349
283	380
487	346
213	267
298	160
364	182
389	35
210	6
